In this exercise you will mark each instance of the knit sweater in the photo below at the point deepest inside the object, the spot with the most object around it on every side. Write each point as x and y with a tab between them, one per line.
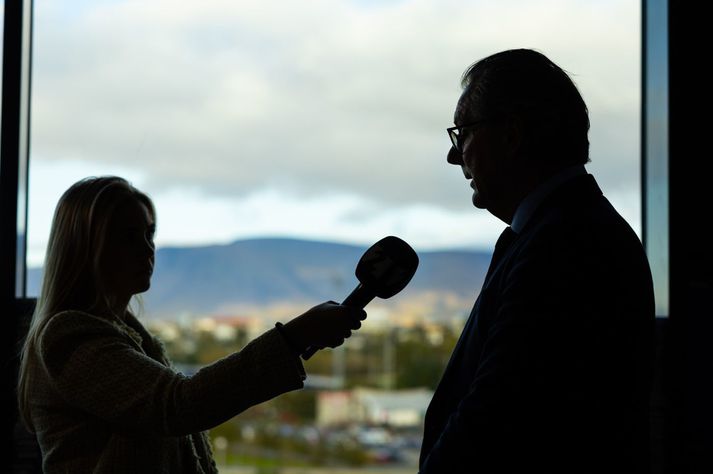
106	400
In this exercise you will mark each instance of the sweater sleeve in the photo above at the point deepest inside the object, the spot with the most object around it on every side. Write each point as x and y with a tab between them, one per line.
97	369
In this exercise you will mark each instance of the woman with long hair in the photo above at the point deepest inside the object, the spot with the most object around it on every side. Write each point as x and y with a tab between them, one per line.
97	389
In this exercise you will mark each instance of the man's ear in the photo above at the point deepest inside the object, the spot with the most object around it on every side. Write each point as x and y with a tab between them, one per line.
513	136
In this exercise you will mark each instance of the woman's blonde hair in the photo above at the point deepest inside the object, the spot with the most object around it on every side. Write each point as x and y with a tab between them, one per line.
72	280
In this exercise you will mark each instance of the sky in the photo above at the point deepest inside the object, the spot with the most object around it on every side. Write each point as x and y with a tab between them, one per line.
320	119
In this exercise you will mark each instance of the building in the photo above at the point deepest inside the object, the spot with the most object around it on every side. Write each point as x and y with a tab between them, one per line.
393	408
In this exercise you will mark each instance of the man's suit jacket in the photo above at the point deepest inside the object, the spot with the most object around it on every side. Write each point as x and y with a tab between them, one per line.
552	371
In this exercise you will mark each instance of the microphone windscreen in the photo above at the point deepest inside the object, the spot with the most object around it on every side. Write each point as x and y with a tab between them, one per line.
387	267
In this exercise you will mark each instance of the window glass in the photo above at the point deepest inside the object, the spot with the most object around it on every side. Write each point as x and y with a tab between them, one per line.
279	140
656	149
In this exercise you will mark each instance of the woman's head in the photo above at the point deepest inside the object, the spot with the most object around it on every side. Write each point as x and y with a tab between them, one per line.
100	253
100	249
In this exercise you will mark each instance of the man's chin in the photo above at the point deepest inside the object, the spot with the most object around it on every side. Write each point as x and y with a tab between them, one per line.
478	200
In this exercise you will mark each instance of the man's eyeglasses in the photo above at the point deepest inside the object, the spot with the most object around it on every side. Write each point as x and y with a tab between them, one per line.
457	138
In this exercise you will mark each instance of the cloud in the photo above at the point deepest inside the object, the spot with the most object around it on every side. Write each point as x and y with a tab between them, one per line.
315	99
190	216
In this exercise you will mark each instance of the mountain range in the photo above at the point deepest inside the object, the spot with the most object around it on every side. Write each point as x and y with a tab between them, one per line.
266	271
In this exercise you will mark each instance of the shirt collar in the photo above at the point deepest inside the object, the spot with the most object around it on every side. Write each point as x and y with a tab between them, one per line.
527	206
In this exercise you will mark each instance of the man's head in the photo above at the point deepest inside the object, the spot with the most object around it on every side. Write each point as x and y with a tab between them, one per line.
519	120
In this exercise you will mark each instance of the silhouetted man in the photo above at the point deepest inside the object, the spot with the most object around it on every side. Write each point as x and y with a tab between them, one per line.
552	370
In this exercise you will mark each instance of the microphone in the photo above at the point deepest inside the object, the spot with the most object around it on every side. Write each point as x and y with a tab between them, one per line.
384	270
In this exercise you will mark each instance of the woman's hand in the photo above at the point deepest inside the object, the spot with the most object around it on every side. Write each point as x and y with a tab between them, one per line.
325	325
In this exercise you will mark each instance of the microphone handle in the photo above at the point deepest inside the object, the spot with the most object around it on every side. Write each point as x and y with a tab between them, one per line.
358	298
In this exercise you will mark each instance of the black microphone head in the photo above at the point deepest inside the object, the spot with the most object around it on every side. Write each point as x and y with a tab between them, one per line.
387	267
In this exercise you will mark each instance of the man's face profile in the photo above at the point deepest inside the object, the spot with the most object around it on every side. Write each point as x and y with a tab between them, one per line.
476	155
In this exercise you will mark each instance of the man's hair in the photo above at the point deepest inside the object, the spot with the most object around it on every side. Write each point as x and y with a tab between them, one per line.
525	85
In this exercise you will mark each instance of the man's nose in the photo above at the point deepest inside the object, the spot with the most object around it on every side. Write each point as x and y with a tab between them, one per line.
454	157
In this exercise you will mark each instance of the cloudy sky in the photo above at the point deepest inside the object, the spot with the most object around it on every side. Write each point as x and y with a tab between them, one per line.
320	119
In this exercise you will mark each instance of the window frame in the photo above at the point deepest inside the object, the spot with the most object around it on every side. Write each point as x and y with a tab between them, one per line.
14	148
14	162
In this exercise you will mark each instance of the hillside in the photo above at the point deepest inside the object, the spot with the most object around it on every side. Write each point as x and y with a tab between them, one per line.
204	280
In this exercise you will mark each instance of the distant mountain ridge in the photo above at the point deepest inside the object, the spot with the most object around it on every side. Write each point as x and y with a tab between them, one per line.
205	280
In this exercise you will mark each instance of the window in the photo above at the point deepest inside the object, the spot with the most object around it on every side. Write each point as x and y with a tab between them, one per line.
255	120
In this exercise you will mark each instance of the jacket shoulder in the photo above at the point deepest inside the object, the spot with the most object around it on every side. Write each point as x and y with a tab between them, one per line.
66	331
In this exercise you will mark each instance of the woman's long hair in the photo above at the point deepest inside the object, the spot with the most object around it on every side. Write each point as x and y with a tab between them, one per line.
71	279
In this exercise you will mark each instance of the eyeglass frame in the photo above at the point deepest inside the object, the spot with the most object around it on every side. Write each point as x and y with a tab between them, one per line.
454	136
